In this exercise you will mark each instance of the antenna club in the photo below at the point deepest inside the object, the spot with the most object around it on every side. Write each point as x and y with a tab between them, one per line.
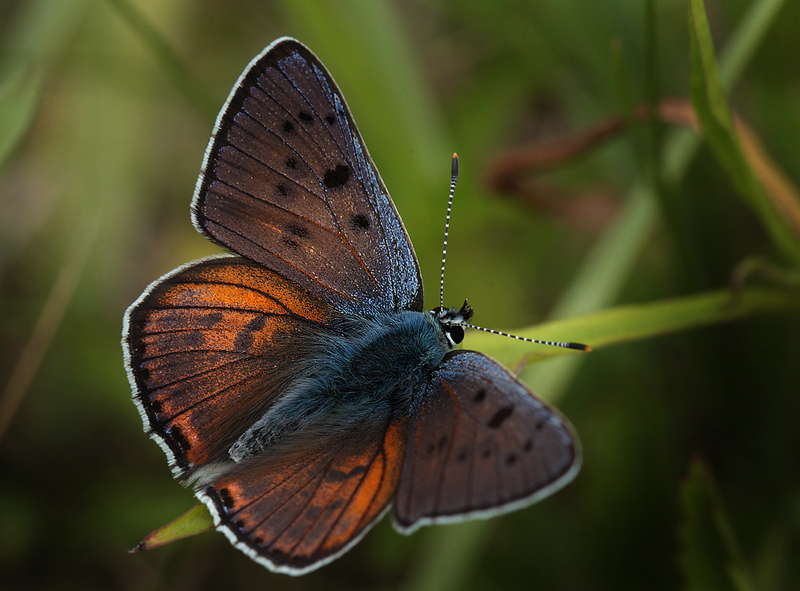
454	168
578	346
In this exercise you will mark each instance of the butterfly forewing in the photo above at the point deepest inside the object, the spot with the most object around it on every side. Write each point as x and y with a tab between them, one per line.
480	443
288	183
208	349
297	513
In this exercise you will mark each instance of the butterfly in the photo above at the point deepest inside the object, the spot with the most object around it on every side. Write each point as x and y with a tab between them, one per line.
297	384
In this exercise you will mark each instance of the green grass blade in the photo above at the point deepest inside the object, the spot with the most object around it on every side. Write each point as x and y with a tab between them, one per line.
625	324
176	69
715	117
20	92
709	554
39	37
195	521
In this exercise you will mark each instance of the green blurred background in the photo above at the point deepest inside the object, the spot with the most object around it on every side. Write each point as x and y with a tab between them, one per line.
95	195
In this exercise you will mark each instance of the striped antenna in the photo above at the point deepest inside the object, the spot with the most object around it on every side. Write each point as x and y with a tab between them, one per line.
453	180
563	345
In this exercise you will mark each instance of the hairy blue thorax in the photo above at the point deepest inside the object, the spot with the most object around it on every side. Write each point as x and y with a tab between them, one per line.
370	370
387	359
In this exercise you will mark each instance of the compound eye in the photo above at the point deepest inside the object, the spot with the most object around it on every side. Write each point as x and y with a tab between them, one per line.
456	333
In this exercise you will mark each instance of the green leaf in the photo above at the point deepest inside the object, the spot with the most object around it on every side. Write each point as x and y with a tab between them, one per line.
709	555
195	521
635	322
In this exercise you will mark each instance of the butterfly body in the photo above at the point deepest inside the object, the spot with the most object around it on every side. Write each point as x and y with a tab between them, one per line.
297	385
373	368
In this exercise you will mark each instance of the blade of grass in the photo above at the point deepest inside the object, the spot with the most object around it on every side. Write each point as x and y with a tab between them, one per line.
635	322
718	128
195	521
42	29
48	322
176	68
709	553
20	93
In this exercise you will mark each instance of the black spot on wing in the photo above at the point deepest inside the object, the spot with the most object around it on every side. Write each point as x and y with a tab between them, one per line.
195	340
290	163
442	444
341	476
500	416
256	323
225	497
298	230
359	222
480	396
210	320
243	341
305	117
336	177
330	120
179	438
288	127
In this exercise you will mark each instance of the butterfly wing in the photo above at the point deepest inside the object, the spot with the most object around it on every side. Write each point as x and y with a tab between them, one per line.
209	347
287	182
479	444
298	513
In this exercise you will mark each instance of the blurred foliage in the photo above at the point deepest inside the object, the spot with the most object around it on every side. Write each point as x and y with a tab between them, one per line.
104	116
710	556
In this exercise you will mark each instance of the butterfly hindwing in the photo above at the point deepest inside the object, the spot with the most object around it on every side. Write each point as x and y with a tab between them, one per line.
479	443
210	346
287	182
294	513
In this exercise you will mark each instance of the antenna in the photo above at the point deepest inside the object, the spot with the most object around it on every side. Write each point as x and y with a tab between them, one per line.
453	181
562	344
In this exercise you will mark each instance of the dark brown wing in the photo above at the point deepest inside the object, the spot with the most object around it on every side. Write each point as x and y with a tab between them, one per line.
287	181
480	443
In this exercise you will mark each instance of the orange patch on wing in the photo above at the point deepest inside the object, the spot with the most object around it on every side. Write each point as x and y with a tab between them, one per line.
303	511
213	346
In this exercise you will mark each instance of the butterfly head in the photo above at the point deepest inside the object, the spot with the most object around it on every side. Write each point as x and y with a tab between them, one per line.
452	322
